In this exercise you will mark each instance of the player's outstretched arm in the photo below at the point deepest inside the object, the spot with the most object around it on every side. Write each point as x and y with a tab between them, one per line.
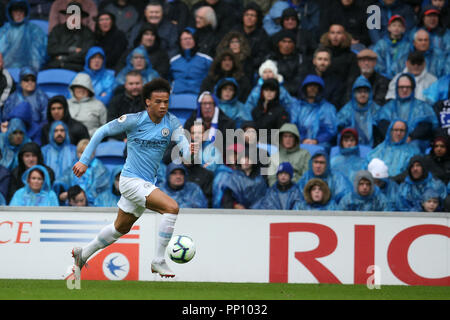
79	169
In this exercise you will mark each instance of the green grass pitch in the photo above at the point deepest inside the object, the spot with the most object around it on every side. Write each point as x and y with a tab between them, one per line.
170	290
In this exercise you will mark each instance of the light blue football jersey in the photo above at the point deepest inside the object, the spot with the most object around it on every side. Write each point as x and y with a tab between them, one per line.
146	142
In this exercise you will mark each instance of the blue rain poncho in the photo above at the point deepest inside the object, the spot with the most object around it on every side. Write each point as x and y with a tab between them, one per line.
395	155
317	120
409	197
9	152
338	184
111	196
190	195
438	90
26	197
22	44
390	191
233	108
388	52
220	181
24	112
95	181
148	74
103	79
361	118
278	199
2	200
374	201
307	202
59	157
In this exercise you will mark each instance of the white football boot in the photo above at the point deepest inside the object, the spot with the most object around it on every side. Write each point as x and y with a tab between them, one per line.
161	267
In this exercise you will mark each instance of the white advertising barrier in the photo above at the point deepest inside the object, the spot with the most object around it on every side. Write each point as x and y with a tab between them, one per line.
236	246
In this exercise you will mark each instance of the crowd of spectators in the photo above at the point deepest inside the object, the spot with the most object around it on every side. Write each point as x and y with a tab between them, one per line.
345	108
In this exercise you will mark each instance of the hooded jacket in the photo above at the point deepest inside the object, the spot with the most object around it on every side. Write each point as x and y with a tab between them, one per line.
363	118
111	196
315	120
394	154
388	52
24	111
9	152
190	195
77	130
439	166
148	74
374	201
26	197
411	190
89	111
307	203
296	156
59	157
339	185
103	79
22	44
37	100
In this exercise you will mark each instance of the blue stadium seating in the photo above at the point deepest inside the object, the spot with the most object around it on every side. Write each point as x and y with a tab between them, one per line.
15	74
312	148
110	153
43	24
182	105
55	81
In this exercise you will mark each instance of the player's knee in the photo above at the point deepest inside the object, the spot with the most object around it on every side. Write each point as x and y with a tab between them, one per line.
172	207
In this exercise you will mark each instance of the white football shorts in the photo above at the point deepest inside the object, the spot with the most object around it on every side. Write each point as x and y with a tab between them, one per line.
133	192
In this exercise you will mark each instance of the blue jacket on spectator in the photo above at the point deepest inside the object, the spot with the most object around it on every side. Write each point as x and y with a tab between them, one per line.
103	79
2	200
111	196
387	11
410	193
388	53
38	99
315	120
22	44
190	195
26	197
277	198
307	202
23	110
220	181
148	73
9	152
438	90
361	118
339	185
62	156
394	154
374	201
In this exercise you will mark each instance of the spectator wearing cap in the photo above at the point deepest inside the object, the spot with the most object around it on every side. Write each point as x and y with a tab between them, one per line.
361	113
314	117
284	194
391	47
442	5
68	44
316	195
289	151
22	43
348	147
110	38
415	65
251	27
365	196
59	10
367	62
28	91
431	201
308	12
343	60
126	13
435	59
389	8
430	20
288	59
187	194
380	175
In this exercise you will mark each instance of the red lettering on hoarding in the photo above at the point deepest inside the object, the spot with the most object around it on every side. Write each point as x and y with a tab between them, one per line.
10	226
21	231
364	252
398	254
279	251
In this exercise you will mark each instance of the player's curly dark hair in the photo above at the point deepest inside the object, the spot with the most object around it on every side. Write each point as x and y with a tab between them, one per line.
156	85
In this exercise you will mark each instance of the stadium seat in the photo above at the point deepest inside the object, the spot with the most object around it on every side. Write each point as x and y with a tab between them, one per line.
363	151
312	148
55	81
14	72
111	153
183	101
43	24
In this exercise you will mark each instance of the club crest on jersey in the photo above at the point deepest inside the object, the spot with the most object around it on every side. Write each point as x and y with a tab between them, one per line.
122	118
165	132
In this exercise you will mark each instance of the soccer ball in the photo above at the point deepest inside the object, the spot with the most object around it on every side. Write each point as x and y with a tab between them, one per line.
181	249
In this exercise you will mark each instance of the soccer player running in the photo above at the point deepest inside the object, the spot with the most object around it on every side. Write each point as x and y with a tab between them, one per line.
148	134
